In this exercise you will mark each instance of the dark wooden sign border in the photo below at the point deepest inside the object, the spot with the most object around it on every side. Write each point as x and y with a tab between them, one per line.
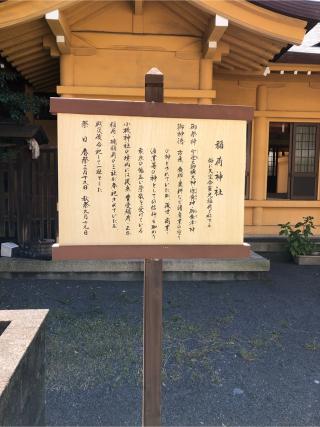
86	252
149	109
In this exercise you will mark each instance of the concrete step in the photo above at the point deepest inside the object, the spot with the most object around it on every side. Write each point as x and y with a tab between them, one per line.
253	267
271	243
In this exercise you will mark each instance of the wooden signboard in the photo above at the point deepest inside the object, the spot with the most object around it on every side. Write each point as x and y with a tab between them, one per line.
143	179
150	180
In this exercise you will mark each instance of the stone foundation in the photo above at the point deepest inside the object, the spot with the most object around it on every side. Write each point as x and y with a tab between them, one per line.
22	367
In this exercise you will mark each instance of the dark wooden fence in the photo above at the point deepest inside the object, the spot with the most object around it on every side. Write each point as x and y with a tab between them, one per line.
28	195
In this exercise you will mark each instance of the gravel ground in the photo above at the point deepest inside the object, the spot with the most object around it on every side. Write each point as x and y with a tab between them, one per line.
235	353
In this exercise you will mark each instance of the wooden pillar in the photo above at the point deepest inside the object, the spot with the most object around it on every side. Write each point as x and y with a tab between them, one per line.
260	148
67	72
152	306
24	201
205	78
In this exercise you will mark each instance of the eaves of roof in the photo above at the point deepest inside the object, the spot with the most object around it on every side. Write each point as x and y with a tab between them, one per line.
306	10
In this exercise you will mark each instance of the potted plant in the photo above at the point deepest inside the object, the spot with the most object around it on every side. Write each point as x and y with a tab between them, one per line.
300	243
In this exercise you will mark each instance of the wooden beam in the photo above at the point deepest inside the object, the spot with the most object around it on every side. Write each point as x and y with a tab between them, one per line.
138	7
42	68
79	13
63	45
134	92
209	49
45	85
49	43
30	59
222	50
83	51
137	19
294	67
235	64
215	31
246	62
258	41
38	65
45	88
25	53
50	77
224	66
32	35
217	28
49	83
85	11
20	30
245	45
17	12
244	53
40	73
21	47
195	13
174	8
60	29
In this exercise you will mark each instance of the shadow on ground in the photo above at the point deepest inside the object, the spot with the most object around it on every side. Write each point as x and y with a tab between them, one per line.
235	353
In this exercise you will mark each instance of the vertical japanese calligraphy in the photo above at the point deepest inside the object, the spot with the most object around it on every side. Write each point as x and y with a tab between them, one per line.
127	180
98	139
193	180
180	141
219	145
85	186
113	173
210	192
167	201
140	189
152	180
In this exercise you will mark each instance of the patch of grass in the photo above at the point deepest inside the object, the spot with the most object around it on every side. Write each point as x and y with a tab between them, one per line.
84	350
275	337
312	346
258	342
284	323
176	318
247	355
225	320
125	298
231	341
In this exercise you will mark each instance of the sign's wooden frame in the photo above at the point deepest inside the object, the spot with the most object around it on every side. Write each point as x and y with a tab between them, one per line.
149	109
152	305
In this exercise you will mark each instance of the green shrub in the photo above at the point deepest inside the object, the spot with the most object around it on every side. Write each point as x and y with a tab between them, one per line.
299	236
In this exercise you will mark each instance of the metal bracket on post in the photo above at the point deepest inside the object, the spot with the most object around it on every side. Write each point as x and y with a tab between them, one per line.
152	306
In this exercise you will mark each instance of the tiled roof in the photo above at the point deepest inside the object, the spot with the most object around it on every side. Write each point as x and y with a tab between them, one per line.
302	9
299	58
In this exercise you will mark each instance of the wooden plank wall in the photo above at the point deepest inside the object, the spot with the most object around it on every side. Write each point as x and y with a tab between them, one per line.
8	194
28	195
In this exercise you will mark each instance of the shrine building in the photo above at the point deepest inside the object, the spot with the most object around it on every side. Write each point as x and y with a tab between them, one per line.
231	52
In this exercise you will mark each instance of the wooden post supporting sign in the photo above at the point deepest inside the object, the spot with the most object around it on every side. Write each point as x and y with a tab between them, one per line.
152	342
152	307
